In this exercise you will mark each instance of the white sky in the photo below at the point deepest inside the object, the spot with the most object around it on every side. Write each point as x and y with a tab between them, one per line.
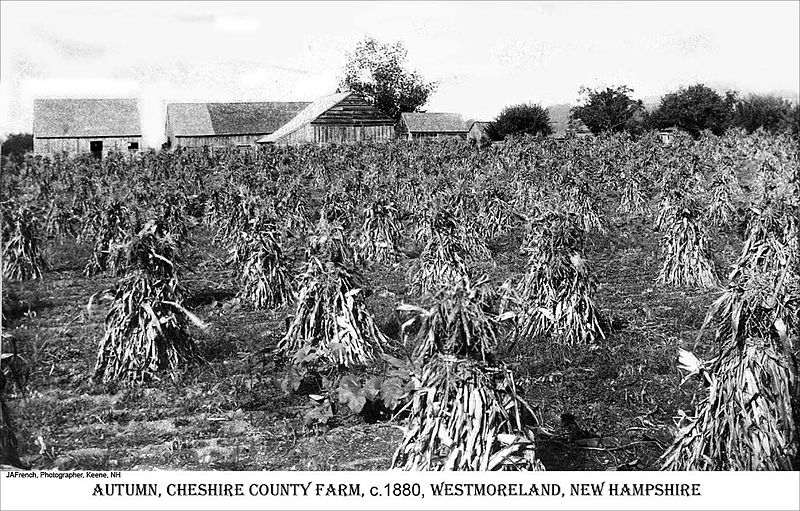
484	55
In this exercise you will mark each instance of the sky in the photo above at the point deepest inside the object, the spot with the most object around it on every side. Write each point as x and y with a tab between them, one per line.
484	56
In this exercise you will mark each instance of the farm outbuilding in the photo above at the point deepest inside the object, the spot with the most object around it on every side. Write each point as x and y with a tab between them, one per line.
343	117
478	133
226	124
574	129
432	125
76	126
667	136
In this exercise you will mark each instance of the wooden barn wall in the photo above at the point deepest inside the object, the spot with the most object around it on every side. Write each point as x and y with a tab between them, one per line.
303	135
216	140
343	134
73	146
434	134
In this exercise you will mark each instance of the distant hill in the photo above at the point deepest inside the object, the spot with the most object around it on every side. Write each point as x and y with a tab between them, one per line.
651	102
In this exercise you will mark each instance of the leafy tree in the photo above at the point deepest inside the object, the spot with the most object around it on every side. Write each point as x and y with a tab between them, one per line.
611	109
377	70
17	144
522	119
762	111
791	122
695	109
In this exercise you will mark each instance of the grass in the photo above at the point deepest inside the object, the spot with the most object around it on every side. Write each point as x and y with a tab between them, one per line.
231	414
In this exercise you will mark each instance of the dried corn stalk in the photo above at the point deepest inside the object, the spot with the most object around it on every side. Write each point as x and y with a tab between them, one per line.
442	262
264	274
461	323
555	296
147	327
497	214
632	201
237	211
578	200
380	233
749	419
331	318
107	229
746	421
467	416
9	454
291	208
60	219
721	208
453	220
686	260
22	256
328	242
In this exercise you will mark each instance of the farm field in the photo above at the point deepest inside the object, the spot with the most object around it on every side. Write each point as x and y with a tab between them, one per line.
406	224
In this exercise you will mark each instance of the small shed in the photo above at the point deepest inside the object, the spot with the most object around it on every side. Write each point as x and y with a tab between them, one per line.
414	125
76	126
343	117
226	124
574	129
578	129
478	133
667	135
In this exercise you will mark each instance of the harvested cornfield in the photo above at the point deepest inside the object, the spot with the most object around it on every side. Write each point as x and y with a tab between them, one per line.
310	346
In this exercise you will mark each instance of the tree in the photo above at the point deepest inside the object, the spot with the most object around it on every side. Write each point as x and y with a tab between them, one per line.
792	122
611	109
762	111
17	144
522	119
377	70
695	109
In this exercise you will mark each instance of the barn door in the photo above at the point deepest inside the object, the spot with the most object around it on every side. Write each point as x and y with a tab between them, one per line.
96	147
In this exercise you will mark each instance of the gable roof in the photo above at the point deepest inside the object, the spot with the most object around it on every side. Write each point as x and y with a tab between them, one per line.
85	118
189	119
434	122
480	124
327	105
255	118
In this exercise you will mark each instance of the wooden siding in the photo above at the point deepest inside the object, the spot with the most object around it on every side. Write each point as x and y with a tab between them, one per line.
428	134
354	110
337	134
215	140
74	146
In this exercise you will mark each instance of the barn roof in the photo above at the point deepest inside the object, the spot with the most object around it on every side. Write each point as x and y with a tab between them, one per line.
85	118
480	124
326	105
434	122
198	119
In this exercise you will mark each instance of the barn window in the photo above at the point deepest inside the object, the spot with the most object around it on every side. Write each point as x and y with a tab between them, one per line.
133	146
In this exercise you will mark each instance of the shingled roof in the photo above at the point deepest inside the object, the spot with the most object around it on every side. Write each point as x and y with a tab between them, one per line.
199	119
434	122
481	124
330	110
306	115
68	118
